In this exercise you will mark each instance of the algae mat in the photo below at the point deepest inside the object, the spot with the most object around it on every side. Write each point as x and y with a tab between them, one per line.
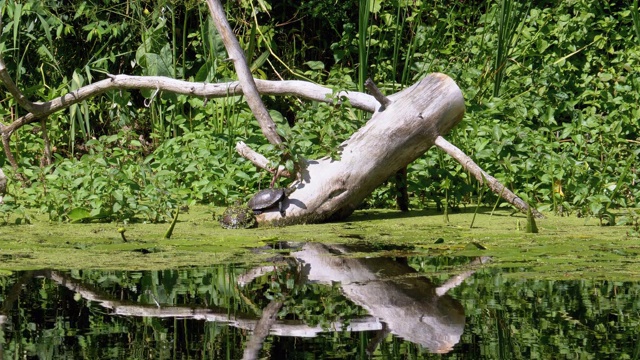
565	247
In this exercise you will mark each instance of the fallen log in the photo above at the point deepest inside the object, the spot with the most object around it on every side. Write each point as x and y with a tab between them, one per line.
408	125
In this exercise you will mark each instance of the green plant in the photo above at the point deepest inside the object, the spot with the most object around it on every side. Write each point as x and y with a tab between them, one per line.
9	209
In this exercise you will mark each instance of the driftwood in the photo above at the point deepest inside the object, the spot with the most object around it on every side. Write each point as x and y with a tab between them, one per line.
236	54
402	129
391	139
209	313
412	122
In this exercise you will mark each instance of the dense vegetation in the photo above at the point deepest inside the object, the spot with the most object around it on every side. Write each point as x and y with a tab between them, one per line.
551	88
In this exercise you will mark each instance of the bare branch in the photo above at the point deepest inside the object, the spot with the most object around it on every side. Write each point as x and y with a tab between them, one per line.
479	174
236	54
7	147
46	159
297	88
259	160
115	82
6	79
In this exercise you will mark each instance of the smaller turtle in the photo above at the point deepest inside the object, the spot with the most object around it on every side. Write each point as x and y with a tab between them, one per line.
268	198
237	217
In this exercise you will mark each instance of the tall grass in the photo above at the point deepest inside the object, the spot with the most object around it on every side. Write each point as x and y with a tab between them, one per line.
510	20
363	50
636	19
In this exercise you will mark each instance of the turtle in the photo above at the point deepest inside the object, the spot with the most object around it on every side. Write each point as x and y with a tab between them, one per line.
268	198
237	217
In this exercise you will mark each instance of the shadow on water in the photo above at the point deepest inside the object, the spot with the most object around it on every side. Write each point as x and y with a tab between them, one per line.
315	301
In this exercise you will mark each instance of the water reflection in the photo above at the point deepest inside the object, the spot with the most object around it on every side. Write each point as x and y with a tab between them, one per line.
408	306
317	302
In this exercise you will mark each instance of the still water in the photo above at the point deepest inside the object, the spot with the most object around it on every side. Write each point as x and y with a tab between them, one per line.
317	301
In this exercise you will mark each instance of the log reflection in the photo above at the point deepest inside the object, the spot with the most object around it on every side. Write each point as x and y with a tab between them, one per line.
411	307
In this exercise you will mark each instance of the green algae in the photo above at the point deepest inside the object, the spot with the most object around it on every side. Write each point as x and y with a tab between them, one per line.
565	247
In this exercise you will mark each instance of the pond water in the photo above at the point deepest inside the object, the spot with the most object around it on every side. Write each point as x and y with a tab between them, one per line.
317	301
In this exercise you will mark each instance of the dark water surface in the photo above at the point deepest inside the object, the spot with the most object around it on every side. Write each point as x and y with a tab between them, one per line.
314	302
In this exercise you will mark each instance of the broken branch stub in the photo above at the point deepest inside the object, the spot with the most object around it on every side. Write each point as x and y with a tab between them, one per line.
376	93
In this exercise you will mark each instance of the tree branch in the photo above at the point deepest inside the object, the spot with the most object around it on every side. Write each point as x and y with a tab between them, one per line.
116	82
22	100
236	54
469	165
259	160
3	185
6	145
46	160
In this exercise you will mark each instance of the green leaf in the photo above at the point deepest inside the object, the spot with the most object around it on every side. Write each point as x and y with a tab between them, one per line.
79	214
315	65
117	194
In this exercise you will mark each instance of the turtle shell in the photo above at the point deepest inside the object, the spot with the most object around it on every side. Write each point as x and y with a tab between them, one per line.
237	217
266	198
